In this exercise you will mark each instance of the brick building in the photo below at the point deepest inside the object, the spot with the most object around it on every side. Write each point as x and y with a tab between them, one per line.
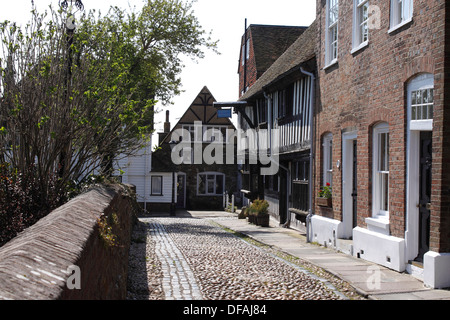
381	140
278	108
195	182
274	118
263	46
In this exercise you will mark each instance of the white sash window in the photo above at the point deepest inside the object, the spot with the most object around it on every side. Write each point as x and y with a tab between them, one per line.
401	13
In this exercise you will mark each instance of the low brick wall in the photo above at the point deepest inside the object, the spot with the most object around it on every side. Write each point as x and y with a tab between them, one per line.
67	255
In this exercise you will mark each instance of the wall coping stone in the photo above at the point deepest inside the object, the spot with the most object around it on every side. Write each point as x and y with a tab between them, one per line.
35	264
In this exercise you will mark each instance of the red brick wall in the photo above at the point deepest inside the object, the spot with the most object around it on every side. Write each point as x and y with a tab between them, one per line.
251	74
368	87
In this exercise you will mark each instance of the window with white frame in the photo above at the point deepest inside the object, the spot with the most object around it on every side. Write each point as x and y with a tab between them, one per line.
206	133
381	171
210	183
331	37
327	148
214	133
421	102
194	136
401	12
156	185
360	23
246	51
247	54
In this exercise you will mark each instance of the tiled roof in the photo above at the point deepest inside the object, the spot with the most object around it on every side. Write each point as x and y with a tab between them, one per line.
269	43
302	50
201	109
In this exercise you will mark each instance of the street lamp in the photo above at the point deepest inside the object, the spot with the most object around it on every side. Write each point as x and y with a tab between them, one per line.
66	7
64	4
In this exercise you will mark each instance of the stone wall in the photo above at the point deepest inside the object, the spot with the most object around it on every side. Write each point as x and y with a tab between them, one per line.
69	254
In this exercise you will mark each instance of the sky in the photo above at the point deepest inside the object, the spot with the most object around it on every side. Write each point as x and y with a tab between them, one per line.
224	18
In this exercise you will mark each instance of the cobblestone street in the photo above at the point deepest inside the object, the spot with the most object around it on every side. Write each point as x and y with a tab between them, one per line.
197	259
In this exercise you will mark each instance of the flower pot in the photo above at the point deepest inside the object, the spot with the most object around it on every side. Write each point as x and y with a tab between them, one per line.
324	202
263	220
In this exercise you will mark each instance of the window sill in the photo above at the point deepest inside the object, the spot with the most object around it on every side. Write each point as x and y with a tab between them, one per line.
421	125
378	224
329	65
401	24
359	47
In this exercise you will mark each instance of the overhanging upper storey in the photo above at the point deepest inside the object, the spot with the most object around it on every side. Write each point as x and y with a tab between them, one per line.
239	108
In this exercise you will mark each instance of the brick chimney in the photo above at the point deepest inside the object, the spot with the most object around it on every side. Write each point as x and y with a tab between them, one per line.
167	123
166	131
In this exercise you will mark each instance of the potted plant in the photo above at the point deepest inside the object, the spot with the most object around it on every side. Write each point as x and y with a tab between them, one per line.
325	196
243	214
259	211
251	216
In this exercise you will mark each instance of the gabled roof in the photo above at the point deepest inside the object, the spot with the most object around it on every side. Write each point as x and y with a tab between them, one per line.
201	109
269	43
301	51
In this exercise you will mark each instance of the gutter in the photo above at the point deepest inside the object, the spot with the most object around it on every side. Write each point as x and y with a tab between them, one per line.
311	153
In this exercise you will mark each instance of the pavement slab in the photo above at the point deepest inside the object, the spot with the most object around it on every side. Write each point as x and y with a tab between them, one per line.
370	279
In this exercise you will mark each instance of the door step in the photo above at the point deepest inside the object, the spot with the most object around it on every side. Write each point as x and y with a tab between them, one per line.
415	269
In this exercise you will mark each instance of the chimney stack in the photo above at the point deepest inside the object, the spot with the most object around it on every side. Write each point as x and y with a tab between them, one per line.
167	123
162	135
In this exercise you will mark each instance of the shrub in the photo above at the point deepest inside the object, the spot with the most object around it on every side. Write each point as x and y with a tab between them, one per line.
23	200
259	207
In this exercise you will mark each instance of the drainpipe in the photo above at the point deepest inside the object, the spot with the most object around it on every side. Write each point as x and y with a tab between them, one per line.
311	152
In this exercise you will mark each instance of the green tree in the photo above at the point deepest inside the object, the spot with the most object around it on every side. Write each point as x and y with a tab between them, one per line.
72	102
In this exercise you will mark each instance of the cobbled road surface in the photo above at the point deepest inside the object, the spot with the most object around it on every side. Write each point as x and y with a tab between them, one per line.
196	259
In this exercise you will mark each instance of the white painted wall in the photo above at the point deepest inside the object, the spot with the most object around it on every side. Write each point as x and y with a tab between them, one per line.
382	249
136	171
436	273
166	196
325	231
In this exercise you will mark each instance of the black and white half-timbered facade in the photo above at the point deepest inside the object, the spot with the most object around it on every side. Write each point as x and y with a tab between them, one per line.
275	130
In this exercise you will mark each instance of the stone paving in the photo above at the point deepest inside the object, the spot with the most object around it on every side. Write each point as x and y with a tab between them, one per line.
194	259
178	282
